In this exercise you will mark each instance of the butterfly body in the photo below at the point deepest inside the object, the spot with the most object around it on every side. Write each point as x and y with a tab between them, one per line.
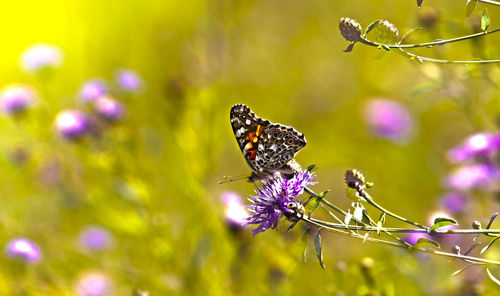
267	147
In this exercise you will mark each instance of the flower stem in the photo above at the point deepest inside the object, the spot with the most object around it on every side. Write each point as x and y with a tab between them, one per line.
370	200
324	225
429	44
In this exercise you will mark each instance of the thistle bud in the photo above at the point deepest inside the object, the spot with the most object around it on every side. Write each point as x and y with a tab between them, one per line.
350	29
354	176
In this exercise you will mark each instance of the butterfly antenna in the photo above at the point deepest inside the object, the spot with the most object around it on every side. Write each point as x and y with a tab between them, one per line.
227	179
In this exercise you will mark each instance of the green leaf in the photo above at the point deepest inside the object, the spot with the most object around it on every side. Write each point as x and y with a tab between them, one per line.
419	3
494	279
371	27
317	247
313	205
470	7
459	271
426	243
489	245
292	225
304	240
442	222
311	167
491	220
485	20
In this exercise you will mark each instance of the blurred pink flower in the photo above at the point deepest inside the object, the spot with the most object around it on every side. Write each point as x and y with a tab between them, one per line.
389	119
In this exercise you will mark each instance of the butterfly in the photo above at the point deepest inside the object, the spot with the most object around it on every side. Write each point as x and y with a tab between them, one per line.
267	147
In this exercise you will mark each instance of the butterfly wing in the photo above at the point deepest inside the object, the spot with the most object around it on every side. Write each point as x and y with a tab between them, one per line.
248	129
278	146
267	147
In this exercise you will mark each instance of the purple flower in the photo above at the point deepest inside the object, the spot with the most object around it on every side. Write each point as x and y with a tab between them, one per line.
274	197
23	249
454	202
109	108
95	238
128	80
15	98
235	212
39	56
483	145
389	119
93	284
92	90
72	124
478	176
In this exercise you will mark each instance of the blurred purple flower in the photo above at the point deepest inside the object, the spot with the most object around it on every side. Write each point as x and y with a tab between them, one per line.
274	197
94	284
109	108
388	119
412	238
72	124
15	98
128	80
24	249
39	56
95	238
478	176
92	90
454	202
478	145
235	211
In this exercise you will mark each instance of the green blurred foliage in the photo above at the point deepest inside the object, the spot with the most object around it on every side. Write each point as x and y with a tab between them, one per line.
151	179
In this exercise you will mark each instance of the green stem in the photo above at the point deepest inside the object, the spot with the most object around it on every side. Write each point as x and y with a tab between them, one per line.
489	2
441	61
429	44
375	240
401	230
370	200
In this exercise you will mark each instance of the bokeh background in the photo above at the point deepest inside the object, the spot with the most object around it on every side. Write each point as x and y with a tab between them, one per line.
122	196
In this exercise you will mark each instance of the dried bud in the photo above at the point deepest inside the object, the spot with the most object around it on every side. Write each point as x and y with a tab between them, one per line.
476	224
354	176
350	29
455	250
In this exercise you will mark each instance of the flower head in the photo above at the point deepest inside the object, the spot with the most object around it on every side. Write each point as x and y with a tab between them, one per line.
92	90
478	145
274	198
389	119
128	80
95	238
40	56
72	124
24	249
477	176
93	284
109	108
15	98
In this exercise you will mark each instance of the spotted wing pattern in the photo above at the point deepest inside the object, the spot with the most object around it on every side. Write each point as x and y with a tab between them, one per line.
267	147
